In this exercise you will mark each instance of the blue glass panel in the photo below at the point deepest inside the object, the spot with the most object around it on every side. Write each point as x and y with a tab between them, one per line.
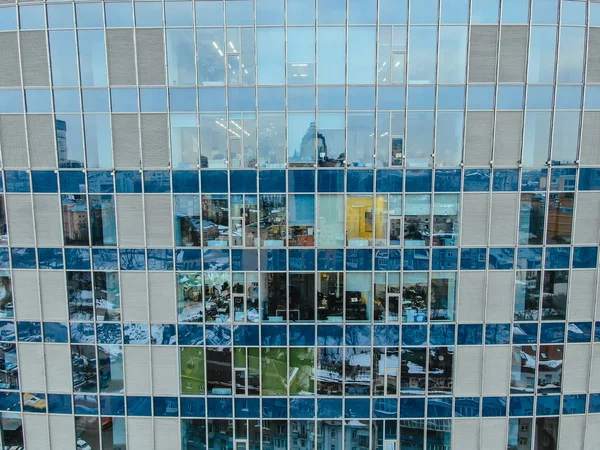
548	405
579	332
100	182
529	258
153	100
451	97
275	408
193	407
552	333
477	180
44	181
133	259
525	333
412	408
466	406
521	406
218	335
386	335
86	404
182	99
129	182
4	258
391	98
213	181
497	333
211	99
597	332
271	99
82	333
302	259
7	331
416	259
77	258
166	406
186	181
359	259
190	259
332	98
330	335
139	406
473	258
11	101
271	181
301	98
244	260
589	179
23	258
29	331
118	15
357	408
242	181
109	333
558	257
123	100
59	404
50	258
160	259
387	259
331	181
301	181
585	257
191	334
574	404
330	259
17	181
216	260
157	181
441	334
502	258
447	180
358	335
245	335
95	100
534	180
302	408
439	407
418	180
506	180
8	19
163	334
329	408
470	334
361	98
105	258
414	335
273	260
385	408
301	335
562	179
360	181
445	259
247	408
11	401
220	407
493	407
136	333
72	181
273	335
55	332
594	403
242	99
390	180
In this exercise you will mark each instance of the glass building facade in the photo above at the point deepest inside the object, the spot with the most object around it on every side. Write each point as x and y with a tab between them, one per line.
300	224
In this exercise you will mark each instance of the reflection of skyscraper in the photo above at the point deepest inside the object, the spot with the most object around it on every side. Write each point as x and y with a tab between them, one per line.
61	141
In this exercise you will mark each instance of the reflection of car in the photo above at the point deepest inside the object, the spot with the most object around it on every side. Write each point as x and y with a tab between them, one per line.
82	445
32	401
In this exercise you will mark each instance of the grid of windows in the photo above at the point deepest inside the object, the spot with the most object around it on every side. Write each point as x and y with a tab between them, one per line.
303	224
